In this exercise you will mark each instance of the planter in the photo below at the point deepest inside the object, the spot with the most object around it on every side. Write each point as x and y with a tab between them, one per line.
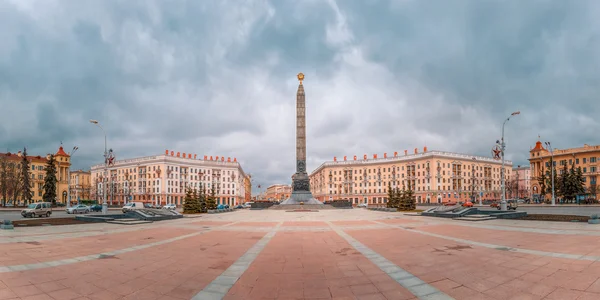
594	221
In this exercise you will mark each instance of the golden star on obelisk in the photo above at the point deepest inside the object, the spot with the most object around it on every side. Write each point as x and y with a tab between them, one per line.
300	77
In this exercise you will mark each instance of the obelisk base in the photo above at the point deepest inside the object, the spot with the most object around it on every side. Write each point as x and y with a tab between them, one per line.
298	197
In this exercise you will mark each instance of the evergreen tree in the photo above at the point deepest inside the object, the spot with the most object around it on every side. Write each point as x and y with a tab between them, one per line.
390	194
542	179
409	198
196	201
202	198
188	204
579	181
211	202
26	192
562	184
50	181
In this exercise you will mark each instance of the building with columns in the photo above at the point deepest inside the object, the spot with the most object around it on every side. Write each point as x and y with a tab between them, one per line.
38	172
81	185
278	192
163	179
586	157
435	177
520	185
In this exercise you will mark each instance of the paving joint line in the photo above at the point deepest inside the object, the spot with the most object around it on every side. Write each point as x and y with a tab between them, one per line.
67	261
502	247
412	283
221	285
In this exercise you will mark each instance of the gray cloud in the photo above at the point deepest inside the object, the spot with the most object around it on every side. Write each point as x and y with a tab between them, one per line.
218	77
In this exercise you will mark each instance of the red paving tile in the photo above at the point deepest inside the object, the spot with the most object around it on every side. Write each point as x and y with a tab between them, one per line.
257	224
314	265
397	221
573	244
50	250
353	223
176	270
470	272
305	223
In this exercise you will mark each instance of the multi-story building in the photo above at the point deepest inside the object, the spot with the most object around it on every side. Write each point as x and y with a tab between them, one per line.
163	179
38	172
278	192
81	185
520	185
434	176
586	157
248	188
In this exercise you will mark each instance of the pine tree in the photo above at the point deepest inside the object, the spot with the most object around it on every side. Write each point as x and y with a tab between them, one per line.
542	182
196	201
579	181
390	200
50	181
409	198
563	187
188	203
202	199
211	202
26	192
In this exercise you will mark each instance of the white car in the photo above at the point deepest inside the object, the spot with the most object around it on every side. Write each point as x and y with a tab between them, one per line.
365	205
78	209
170	206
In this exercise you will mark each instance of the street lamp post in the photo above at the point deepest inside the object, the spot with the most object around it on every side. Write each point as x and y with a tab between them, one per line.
104	204
502	171
549	145
69	178
476	185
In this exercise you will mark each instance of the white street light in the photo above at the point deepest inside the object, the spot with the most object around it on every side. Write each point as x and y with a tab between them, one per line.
104	204
502	176
69	176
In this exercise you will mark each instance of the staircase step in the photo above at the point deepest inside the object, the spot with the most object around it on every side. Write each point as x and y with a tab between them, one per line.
129	222
470	218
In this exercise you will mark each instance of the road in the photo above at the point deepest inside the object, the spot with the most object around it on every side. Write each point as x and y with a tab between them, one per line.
16	215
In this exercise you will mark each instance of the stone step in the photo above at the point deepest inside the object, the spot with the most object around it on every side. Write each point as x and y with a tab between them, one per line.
471	218
128	221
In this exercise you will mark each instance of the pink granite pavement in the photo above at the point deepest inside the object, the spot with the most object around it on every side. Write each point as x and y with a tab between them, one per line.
354	254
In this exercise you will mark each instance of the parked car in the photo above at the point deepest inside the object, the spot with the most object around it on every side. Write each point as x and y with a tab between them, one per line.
248	204
37	209
78	209
133	206
239	207
96	207
170	206
365	205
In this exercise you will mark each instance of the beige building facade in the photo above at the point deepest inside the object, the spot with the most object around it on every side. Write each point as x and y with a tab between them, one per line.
520	185
163	179
435	177
38	172
278	192
81	185
586	157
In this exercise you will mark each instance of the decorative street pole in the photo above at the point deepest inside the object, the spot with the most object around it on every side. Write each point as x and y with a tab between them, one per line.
502	171
69	178
104	204
549	145
476	185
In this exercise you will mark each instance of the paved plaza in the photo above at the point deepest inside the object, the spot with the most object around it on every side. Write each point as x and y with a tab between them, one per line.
330	254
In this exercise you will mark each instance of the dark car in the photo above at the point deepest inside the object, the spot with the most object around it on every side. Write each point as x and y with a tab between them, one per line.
96	207
239	207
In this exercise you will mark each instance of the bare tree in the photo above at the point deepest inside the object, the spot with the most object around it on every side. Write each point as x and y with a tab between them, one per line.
4	178
14	182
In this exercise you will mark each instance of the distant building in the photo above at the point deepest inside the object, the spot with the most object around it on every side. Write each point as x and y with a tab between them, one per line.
38	172
163	179
81	185
278	192
248	188
435	177
586	157
520	185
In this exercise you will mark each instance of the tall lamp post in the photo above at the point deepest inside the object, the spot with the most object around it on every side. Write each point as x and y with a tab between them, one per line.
69	178
475	178
104	204
549	145
502	176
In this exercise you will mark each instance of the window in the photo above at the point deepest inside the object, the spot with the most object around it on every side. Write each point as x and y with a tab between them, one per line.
592	159
577	160
584	170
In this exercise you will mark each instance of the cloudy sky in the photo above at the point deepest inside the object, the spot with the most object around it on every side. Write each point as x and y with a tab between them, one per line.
219	77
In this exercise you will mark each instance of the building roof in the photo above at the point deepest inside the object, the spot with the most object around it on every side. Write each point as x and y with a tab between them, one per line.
17	156
538	147
61	152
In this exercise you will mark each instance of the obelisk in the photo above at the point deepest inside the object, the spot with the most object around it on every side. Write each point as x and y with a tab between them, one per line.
300	181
